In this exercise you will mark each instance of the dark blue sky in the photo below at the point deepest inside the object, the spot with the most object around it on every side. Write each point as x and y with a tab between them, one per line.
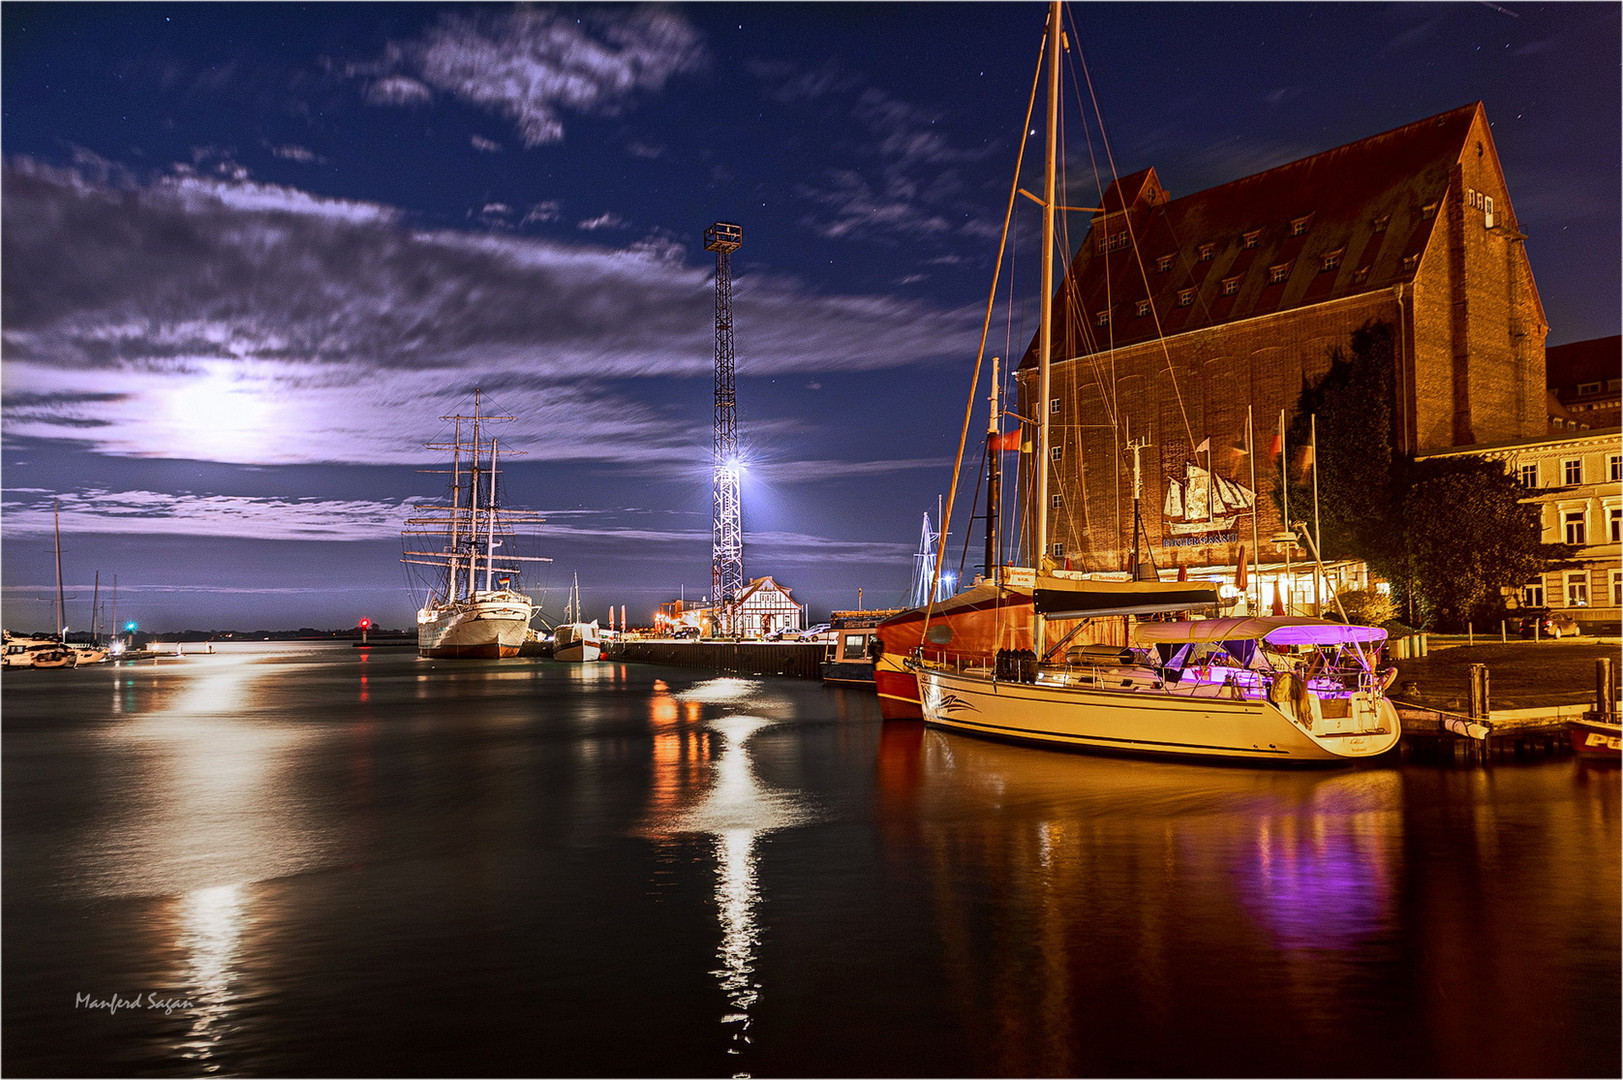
253	252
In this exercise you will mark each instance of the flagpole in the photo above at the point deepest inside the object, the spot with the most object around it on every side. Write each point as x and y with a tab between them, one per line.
1251	453
1313	461
1285	505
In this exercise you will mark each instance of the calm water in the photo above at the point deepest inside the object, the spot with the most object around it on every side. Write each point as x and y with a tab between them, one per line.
346	863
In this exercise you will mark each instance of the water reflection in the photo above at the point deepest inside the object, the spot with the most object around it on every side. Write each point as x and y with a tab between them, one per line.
705	784
1087	867
211	930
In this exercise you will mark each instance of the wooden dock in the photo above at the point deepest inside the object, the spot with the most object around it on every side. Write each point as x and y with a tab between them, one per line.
798	659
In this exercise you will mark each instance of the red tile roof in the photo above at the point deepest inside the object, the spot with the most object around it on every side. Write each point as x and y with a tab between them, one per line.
1367	222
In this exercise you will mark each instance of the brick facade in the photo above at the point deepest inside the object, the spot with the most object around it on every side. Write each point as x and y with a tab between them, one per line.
1177	315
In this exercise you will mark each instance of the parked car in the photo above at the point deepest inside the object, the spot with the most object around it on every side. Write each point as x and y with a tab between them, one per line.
1548	624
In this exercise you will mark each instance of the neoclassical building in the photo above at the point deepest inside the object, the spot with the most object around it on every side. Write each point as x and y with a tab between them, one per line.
1179	317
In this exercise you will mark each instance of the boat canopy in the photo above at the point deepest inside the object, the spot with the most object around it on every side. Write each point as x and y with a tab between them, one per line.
1064	598
1275	629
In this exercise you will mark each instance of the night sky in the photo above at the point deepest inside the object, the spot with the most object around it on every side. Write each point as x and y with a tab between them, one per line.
253	252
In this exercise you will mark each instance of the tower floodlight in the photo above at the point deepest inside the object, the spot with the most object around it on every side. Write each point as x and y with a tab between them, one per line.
727	526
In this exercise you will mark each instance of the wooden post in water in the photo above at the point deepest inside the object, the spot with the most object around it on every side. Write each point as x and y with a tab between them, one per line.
1606	687
1479	691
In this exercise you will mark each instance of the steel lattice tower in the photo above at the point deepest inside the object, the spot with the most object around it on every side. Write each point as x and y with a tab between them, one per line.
727	524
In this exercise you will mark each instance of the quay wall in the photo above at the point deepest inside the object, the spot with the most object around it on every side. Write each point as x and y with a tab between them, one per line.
794	658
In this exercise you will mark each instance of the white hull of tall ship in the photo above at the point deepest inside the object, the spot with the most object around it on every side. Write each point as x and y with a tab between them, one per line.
486	624
577	643
1152	723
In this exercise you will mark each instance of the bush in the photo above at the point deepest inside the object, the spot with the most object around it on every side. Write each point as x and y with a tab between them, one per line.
1367	607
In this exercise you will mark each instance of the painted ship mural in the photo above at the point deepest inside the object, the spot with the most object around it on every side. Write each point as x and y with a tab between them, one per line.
1204	502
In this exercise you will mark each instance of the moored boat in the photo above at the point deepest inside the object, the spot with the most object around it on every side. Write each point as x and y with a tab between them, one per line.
853	645
1065	659
471	612
1598	740
574	641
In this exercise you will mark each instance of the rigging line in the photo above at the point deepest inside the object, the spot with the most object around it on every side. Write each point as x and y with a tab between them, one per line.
980	353
1133	242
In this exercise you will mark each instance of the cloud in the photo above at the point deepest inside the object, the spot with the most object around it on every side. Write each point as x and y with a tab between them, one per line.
533	65
154	513
240	322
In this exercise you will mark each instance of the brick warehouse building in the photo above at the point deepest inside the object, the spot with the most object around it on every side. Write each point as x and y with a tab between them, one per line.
1178	313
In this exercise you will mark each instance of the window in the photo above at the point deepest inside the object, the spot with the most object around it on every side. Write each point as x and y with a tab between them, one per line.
1054	501
1208	252
1053	405
1057	550
1253	239
1186	297
1143	308
1428	211
1614	467
1113	241
1572	471
1380	223
1614	524
1299	225
1277	274
1533	593
1572	527
1330	261
1410	262
1616	589
1577	588
1589	388
1056	452
1103	318
1231	286
1528	475
1164	263
1360	275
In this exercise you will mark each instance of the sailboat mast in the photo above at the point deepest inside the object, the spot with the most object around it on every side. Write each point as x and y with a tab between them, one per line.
1046	331
490	519
56	518
994	478
456	510
473	502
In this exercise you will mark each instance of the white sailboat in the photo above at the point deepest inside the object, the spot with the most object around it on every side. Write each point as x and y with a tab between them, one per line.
575	641
472	609
1258	689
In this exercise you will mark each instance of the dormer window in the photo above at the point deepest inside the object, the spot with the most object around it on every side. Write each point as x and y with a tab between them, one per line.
1207	252
1360	275
1277	274
1380	223
1102	319
1143	308
1410	262
1329	261
1186	297
1252	239
1231	286
1164	263
1428	211
1589	388
1299	225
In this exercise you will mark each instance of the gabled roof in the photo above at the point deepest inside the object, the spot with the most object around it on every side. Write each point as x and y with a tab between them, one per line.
1369	207
758	585
1597	360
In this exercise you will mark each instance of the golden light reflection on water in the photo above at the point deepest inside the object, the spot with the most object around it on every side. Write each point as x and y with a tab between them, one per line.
210	936
704	783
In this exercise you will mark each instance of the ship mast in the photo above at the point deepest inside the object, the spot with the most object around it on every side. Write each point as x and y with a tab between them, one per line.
993	480
1046	331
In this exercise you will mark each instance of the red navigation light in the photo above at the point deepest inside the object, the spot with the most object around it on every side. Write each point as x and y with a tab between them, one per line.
366	624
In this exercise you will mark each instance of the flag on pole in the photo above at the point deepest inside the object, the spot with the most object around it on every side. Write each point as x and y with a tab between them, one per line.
1008	440
1241	576
1205	446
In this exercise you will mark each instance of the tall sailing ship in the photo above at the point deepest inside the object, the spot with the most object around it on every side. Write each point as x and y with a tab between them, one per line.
472	609
1058	657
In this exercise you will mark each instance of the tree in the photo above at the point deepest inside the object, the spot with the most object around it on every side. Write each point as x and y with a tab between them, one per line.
1467	535
1448	533
1351	408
